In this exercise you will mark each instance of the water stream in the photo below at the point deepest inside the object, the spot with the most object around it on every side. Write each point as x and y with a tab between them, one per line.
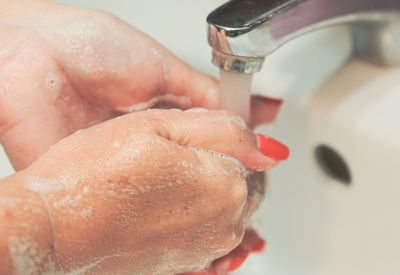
235	96
235	93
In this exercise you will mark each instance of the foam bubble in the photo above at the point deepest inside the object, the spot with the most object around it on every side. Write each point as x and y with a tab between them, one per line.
28	257
53	83
197	110
116	144
240	122
235	161
87	212
164	61
42	185
86	189
237	120
182	101
88	51
173	261
12	202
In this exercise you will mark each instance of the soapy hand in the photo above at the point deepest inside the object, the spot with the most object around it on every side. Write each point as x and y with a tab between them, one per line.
154	192
251	243
65	68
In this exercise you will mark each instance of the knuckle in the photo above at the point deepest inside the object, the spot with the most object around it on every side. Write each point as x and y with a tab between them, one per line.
232	237
237	191
225	179
221	238
233	189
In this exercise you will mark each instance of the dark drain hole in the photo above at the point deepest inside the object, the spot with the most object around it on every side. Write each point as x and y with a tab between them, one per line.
333	164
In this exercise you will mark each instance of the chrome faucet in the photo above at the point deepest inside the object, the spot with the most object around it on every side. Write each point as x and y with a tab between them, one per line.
243	32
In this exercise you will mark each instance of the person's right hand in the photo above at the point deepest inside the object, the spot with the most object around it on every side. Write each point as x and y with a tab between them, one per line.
154	192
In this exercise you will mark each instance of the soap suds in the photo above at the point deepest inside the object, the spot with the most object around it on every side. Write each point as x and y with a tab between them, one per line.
162	143
48	185
235	161
186	164
197	110
182	101
237	120
42	185
89	51
6	88
116	144
75	35
86	268
49	215
178	261
86	189
234	237
28	258
164	61
12	202
87	212
79	131
69	201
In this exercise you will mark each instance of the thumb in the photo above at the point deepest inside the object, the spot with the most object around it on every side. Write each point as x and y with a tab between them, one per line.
218	132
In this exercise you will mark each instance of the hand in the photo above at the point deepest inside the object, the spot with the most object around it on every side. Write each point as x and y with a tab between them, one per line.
152	192
251	243
65	68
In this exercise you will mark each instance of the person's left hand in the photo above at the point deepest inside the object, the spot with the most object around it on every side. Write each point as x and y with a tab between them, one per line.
65	68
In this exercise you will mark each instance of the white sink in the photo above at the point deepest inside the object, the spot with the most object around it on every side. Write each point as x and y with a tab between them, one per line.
314	224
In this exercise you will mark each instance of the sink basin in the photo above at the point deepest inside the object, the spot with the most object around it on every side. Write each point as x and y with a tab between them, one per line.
328	211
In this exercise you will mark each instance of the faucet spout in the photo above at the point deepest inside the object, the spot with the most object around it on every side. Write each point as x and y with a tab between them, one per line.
243	32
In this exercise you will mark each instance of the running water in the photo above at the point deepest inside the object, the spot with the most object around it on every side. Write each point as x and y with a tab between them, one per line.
235	96
235	93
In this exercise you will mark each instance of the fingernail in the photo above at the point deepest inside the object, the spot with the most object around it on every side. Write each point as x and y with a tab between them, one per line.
236	263
272	148
276	101
260	246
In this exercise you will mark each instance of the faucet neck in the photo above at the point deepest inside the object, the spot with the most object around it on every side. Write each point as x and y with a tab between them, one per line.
253	29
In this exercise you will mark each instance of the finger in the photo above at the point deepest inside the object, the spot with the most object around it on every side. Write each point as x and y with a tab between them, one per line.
251	243
264	110
221	132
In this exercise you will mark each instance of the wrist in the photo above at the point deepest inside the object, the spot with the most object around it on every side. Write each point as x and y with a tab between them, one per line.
24	227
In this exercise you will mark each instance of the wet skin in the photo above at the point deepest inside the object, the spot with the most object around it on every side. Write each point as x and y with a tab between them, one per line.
149	193
65	68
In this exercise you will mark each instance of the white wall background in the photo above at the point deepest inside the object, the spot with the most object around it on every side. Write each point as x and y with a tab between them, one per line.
5	166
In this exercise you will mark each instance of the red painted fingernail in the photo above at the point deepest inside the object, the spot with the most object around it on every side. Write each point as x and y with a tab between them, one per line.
272	148
260	246
236	263
272	100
